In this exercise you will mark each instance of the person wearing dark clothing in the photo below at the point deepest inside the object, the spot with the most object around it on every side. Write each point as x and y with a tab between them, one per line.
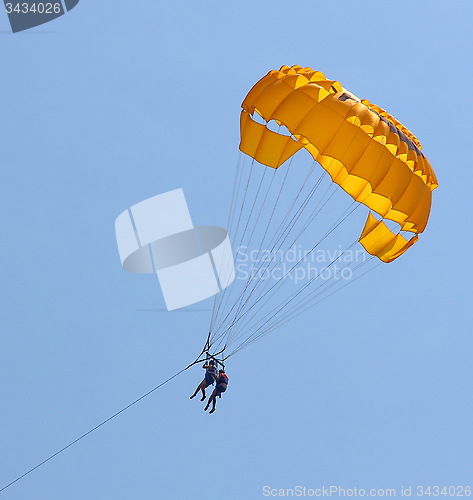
209	379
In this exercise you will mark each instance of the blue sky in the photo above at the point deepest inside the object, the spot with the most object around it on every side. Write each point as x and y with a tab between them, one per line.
113	103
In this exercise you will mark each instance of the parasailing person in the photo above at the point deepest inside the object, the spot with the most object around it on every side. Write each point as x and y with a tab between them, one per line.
209	379
220	387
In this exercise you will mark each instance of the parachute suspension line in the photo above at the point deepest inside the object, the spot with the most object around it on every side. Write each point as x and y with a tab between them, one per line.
277	245
281	281
269	268
274	251
230	220
246	226
280	230
244	196
316	211
284	303
259	214
280	243
236	185
263	204
337	223
243	327
252	210
308	303
288	317
271	322
275	205
303	300
219	296
239	299
277	241
277	235
281	322
240	315
280	226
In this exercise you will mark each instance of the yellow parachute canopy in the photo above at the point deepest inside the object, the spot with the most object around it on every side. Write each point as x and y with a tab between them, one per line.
366	151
